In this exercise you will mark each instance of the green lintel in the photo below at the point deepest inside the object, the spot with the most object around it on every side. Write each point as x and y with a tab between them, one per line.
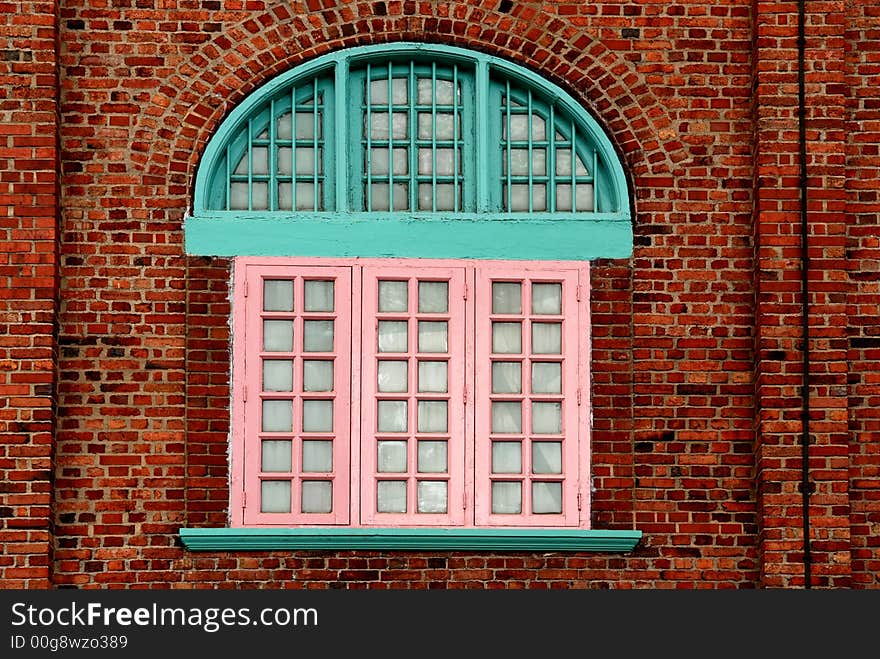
408	539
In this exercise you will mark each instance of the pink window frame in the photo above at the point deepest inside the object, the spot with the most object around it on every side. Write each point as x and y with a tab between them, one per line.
348	455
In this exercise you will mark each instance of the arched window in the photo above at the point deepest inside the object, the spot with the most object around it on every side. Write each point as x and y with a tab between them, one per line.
412	227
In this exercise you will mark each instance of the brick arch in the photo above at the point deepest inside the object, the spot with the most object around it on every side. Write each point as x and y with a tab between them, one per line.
174	129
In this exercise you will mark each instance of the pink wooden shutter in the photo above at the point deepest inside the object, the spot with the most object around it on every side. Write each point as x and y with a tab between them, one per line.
292	395
532	396
413	425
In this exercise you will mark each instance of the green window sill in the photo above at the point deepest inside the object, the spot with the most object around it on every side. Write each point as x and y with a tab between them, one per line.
417	539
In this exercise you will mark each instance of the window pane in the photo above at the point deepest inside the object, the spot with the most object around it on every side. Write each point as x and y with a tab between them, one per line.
305	125
507	338
506	378
259	196
317	416
506	457
506	297
392	296
392	376
563	162
275	455
392	336
317	497
432	377
445	161
440	91
584	192
391	496
432	416
546	378
391	457
318	295
277	375
506	498
547	418
547	338
277	416
379	91
317	456
275	497
441	126
432	456
278	335
238	196
317	375
547	299
431	497
506	417
432	336
519	162
547	457
381	202
379	125
391	416
433	296
379	161
546	497
318	336
277	295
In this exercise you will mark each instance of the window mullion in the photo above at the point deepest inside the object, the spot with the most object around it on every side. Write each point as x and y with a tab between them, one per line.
481	127
341	165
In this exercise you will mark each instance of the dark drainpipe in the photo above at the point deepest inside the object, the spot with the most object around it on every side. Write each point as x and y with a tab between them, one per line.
805	305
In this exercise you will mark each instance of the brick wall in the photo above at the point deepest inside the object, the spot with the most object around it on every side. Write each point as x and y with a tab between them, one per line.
28	288
696	340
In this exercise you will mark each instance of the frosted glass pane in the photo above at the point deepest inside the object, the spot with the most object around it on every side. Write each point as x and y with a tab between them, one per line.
391	457
317	497
391	416
445	197
563	162
392	336
519	197
506	297
442	92
391	496
317	375
277	375
392	376
546	378
318	336
432	377
379	125
433	336
379	91
547	457
392	295
275	455
317	416
445	162
563	197
305	161
305	125
506	417
277	416
432	416
546	498
238	196
278	335
547	338
379	161
317	456
433	296
519	127
547	299
506	457
579	168
547	418
282	129
445	126
275	497
584	192
241	168
380	201
285	160
305	196
506	377
431	496
432	456
539	128
318	295
277	295
519	162
260	160
507	338
260	196
506	498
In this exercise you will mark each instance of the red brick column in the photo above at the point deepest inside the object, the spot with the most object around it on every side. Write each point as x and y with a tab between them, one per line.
28	288
779	354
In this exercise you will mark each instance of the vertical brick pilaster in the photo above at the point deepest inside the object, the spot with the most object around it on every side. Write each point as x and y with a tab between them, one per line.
29	206
779	338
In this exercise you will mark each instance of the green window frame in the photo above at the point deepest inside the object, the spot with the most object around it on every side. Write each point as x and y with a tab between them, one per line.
410	150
